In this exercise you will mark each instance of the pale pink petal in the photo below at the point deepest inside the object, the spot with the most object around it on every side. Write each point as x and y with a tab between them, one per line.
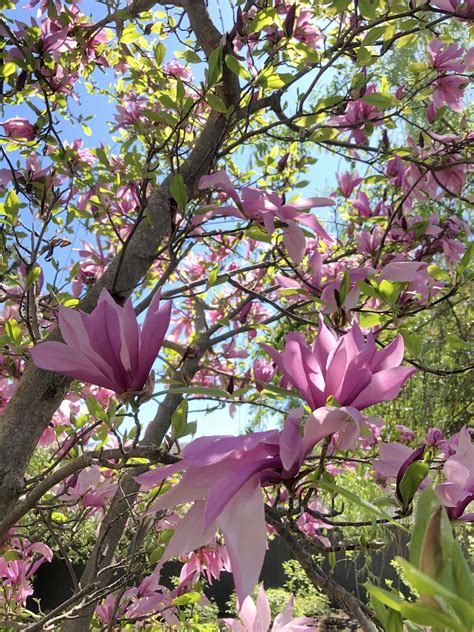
243	524
263	610
322	423
189	534
295	242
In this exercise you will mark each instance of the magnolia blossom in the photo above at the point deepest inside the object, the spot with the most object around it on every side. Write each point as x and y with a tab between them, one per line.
347	182
223	477
263	372
257	617
458	492
106	347
348	368
267	208
19	129
394	461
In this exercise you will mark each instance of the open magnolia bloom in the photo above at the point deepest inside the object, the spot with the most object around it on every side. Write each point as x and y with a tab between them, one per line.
348	368
106	347
223	477
457	493
257	617
266	208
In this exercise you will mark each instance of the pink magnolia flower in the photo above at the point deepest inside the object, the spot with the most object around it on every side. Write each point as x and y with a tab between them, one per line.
266	208
347	182
394	461
449	90
445	57
348	368
458	492
19	129
90	488
257	617
223	476
263	372
106	347
208	561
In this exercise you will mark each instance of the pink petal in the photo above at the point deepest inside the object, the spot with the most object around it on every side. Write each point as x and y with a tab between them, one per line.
56	356
389	357
189	534
295	242
383	387
243	524
291	444
322	423
151	338
263	610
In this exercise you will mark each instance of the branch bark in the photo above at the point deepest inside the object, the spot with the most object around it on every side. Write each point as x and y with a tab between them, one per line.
349	602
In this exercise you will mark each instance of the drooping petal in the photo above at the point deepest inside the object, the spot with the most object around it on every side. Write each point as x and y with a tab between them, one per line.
189	534
228	484
322	423
243	524
295	242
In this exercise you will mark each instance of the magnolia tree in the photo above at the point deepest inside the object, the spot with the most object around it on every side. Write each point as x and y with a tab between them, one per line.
171	250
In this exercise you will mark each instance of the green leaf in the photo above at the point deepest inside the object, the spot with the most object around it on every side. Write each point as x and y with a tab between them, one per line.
411	481
430	617
361	502
129	34
95	409
439	275
213	276
382	100
7	69
159	53
344	287
216	102
178	190
234	65
412	343
179	421
12	205
156	554
13	331
428	503
265	17
368	289
390	290
390	599
368	9
364	56
466	259
12	556
214	71
187	599
191	57
370	319
258	234
282	392
427	586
